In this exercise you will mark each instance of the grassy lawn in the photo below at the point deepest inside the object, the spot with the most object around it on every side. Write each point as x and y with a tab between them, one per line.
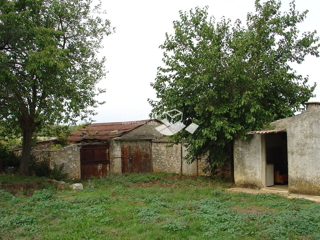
155	206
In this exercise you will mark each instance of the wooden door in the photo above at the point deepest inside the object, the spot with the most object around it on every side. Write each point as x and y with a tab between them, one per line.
136	157
94	160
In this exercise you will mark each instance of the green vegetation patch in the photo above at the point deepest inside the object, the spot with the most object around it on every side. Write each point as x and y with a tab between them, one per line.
156	206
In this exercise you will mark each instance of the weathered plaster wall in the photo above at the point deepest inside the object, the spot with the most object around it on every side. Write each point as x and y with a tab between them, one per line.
303	133
69	156
189	168
115	157
165	158
249	161
201	167
171	159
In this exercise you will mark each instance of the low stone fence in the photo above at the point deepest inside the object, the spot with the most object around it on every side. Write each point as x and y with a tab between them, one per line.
165	158
69	156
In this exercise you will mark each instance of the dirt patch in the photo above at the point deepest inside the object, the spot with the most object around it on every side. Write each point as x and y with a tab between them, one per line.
25	188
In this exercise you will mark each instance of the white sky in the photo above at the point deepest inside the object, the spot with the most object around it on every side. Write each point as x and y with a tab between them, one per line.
133	53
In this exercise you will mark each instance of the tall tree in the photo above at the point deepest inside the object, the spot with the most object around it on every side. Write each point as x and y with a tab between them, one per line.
49	66
229	78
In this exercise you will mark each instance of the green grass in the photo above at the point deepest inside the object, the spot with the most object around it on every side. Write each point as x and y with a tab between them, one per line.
12	178
156	206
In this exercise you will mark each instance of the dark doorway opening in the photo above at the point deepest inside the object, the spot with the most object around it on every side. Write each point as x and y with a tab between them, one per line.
277	155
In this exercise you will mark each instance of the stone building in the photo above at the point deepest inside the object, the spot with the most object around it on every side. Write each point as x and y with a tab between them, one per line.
122	147
289	154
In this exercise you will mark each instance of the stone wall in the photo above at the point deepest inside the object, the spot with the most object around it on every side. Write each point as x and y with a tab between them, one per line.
202	165
69	156
166	158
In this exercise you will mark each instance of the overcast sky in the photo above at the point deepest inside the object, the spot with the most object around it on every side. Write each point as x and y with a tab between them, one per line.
133	53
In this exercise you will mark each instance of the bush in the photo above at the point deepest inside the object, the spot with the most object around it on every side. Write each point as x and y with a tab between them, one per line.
57	172
41	168
8	160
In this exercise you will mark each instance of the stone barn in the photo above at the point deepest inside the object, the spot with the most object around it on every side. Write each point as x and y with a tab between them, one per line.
126	147
118	147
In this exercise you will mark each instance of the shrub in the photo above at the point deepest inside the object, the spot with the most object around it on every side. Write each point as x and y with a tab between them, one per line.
9	159
41	168
57	172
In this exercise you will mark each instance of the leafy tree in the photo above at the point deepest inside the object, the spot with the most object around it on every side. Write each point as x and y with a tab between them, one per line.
49	66
229	78
61	132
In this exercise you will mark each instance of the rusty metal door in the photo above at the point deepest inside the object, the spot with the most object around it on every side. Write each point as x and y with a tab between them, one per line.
94	160
136	157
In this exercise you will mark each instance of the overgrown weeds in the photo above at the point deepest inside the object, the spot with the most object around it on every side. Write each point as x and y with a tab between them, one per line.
156	206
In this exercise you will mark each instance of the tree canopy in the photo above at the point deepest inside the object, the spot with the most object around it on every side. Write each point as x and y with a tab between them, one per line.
232	78
49	66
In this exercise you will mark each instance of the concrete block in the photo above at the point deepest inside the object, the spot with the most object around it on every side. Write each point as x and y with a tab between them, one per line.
77	186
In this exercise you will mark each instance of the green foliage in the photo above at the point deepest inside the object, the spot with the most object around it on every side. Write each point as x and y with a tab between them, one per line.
60	132
56	146
148	215
127	179
230	78
42	195
57	172
12	178
41	168
9	142
136	178
74	128
8	158
118	210
174	226
5	196
49	66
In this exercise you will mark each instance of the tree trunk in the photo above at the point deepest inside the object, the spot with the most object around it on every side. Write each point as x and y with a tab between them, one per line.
26	151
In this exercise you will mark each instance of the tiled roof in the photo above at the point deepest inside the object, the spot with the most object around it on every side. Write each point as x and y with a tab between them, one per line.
105	131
